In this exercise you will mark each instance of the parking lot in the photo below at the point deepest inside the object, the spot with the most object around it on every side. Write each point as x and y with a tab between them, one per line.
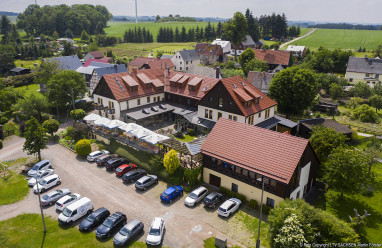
185	227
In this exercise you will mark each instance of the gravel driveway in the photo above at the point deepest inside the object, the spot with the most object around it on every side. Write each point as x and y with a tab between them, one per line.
185	227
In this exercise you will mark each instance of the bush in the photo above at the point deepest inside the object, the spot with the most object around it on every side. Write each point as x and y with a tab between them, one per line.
18	116
191	132
179	135
365	113
266	209
157	162
223	190
77	132
3	120
241	197
83	147
51	126
1	144
21	80
253	203
192	175
22	128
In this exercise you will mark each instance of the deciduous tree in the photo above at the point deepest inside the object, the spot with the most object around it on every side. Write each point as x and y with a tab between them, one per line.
171	162
83	147
77	114
34	105
35	138
365	113
235	30
51	126
246	56
291	233
255	65
361	89
376	102
336	91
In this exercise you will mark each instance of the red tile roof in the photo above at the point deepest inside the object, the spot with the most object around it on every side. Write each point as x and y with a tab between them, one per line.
160	64
97	54
87	63
208	49
274	57
140	61
269	153
240	93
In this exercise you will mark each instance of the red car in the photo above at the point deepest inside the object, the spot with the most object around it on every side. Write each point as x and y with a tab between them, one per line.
123	169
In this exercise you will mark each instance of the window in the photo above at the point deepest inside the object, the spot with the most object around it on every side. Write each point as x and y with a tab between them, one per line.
210	114
234	187
266	180
186	62
248	103
252	174
112	117
238	170
251	120
259	114
206	113
235	118
219	115
180	68
148	99
270	202
350	80
244	172
188	101
220	102
191	61
257	100
273	183
138	101
154	99
367	74
230	117
180	62
186	68
267	113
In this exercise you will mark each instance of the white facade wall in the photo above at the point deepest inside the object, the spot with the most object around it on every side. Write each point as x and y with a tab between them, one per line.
105	102
355	77
133	103
181	65
304	178
240	118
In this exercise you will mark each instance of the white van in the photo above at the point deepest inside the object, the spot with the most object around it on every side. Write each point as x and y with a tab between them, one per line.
75	211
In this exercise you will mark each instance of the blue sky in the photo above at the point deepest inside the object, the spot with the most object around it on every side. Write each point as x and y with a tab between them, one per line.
354	11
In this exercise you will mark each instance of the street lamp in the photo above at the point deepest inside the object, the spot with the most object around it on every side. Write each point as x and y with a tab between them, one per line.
39	200
261	209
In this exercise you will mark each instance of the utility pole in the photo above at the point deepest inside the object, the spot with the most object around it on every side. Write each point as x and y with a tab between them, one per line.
261	211
39	200
136	12
74	108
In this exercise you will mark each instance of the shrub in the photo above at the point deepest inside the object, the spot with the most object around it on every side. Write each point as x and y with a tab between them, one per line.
266	209
253	203
191	132
19	116
3	120
77	114
1	144
223	190
179	135
192	175
77	132
83	147
51	126
171	162
365	113
46	117
157	162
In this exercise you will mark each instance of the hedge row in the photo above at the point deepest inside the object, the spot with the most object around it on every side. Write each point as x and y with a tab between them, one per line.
253	204
21	80
230	193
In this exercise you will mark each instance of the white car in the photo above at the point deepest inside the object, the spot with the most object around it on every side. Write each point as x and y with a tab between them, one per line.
47	183
228	207
94	155
42	165
40	175
195	196
156	233
66	200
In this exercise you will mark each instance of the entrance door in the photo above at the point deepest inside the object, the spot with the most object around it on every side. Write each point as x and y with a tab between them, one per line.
215	181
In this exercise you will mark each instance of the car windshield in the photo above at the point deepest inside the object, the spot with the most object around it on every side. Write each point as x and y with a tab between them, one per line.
222	209
35	167
154	231
124	231
118	170
91	218
42	183
45	197
108	222
38	176
193	196
67	212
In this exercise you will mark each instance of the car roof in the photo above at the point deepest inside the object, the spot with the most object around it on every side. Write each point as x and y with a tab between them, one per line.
116	215
131	224
105	156
144	178
42	162
211	195
156	222
170	190
124	166
51	176
94	153
227	204
78	203
198	190
100	210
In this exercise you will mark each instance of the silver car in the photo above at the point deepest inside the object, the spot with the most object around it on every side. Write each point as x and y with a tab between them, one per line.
195	196
39	175
42	165
52	197
128	232
146	181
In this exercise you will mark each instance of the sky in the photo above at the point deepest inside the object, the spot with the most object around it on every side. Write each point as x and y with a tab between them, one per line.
351	11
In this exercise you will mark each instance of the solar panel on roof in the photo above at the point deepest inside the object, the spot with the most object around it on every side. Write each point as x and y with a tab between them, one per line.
120	85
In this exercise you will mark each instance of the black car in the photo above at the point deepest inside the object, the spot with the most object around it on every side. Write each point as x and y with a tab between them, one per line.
213	199
112	224
114	163
94	219
133	175
101	161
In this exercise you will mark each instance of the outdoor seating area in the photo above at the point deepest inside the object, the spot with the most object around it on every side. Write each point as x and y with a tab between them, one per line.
128	133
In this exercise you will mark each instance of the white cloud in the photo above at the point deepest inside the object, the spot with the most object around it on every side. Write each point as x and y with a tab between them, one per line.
357	11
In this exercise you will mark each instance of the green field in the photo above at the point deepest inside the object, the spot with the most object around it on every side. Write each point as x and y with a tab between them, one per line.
118	28
342	38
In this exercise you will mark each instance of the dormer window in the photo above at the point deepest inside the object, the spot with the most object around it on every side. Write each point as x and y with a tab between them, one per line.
191	88
220	102
248	103
257	100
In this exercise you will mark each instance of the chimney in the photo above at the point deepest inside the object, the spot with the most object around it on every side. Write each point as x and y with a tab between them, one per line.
217	75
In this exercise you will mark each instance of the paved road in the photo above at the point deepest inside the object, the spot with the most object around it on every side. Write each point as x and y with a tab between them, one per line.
185	227
298	38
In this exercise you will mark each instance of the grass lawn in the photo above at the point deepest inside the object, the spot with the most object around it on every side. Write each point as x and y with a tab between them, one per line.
118	28
342	208
304	31
187	138
26	231
342	38
28	89
13	187
27	63
210	243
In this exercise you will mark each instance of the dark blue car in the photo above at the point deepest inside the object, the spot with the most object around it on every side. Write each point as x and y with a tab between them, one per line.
171	193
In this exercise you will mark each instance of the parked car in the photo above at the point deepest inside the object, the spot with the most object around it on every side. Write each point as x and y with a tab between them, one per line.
51	197
228	207
46	183
195	196
67	200
146	181
213	199
101	161
128	232
94	219
133	175
123	169
156	233
94	155
113	223
114	163
75	211
42	165
171	193
40	175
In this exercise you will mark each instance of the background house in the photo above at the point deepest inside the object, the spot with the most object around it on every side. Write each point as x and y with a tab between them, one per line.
105	70
365	69
305	127
238	157
279	124
260	80
93	55
205	71
297	50
225	44
184	59
248	43
273	58
19	71
210	54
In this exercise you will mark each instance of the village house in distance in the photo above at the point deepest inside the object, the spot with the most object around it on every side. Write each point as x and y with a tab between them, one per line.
367	70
